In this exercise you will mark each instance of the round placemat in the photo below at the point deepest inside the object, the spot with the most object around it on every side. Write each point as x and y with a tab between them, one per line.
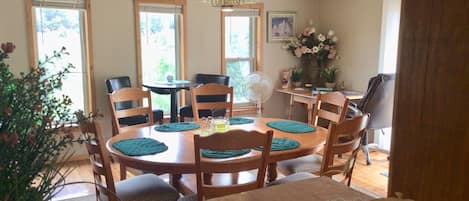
280	144
139	146
291	126
240	120
177	127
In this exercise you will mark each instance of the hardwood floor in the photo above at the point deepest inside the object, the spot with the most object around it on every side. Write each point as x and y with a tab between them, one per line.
367	179
371	179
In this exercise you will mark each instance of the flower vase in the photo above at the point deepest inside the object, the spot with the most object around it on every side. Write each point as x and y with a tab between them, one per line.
330	85
297	84
311	71
321	81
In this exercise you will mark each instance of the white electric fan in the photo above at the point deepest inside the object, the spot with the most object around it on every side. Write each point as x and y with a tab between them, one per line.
259	89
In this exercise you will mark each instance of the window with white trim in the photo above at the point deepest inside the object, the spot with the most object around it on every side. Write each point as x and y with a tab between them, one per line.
62	23
240	55
160	46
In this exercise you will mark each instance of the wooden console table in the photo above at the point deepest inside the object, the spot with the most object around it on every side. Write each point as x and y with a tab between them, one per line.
307	97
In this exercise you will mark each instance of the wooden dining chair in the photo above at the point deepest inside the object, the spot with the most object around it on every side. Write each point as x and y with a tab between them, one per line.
135	95
131	94
211	90
116	83
138	188
202	78
231	140
325	166
329	107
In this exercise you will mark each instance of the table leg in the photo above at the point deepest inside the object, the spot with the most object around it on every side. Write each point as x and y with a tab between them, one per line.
123	171
207	178
174	107
174	180
272	172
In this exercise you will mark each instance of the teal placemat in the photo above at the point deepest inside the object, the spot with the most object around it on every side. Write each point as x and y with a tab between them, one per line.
240	120
140	146
291	126
224	154
177	127
280	144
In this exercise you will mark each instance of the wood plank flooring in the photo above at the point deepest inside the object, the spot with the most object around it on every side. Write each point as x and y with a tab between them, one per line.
367	179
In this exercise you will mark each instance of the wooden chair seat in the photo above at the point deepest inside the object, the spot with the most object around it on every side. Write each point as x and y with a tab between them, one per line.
310	163
144	187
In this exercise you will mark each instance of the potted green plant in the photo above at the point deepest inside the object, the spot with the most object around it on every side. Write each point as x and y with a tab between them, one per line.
329	74
34	130
296	75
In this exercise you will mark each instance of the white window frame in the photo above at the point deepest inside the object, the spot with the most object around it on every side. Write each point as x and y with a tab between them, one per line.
162	6
85	29
257	31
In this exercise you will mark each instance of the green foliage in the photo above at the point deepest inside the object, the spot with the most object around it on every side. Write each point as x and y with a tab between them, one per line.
164	69
329	74
52	19
33	135
296	74
238	80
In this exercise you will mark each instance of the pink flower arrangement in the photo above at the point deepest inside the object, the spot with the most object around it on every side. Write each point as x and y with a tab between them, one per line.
312	44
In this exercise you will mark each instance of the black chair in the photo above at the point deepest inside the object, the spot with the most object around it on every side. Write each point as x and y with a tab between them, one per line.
378	102
186	111
116	83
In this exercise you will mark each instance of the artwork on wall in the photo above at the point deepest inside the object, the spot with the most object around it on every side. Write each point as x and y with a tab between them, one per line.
281	26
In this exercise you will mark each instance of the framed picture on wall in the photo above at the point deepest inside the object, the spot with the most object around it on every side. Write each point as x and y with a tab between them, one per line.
281	26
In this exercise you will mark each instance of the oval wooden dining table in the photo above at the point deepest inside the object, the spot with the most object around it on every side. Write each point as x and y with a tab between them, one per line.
179	158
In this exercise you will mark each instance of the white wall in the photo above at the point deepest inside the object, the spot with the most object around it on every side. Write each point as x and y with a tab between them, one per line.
114	43
277	59
13	29
357	23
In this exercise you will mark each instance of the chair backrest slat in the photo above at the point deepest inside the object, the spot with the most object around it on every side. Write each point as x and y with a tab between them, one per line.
331	107
346	147
99	158
211	89
213	105
231	140
233	166
131	94
329	116
353	130
131	112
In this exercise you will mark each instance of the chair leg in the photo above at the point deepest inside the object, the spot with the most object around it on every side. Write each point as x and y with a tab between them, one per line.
123	172
365	148
367	154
